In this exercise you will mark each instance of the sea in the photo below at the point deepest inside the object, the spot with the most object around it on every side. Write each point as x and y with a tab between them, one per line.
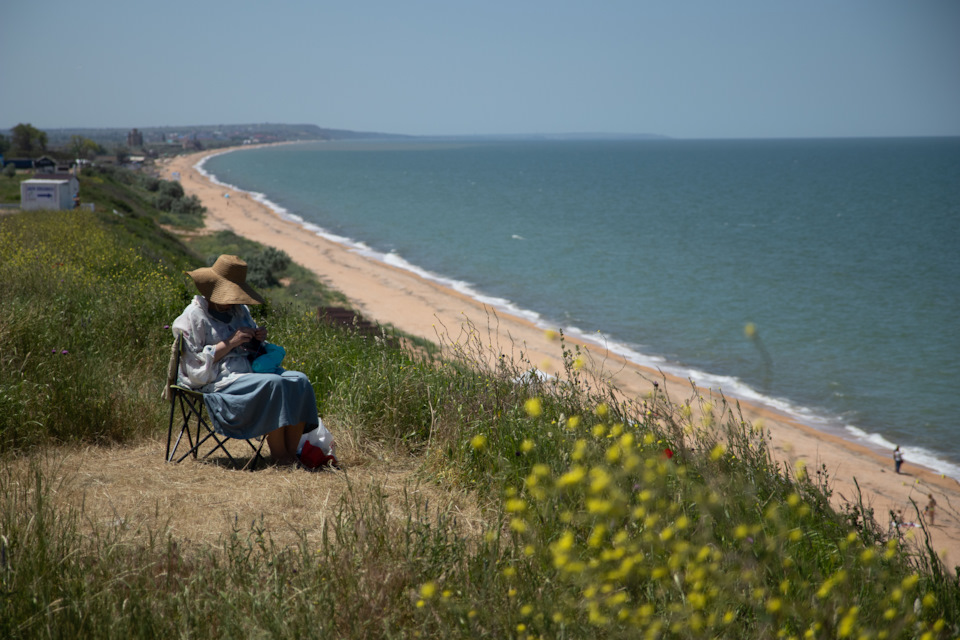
818	277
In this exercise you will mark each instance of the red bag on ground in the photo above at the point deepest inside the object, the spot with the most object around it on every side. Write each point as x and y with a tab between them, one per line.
313	457
313	444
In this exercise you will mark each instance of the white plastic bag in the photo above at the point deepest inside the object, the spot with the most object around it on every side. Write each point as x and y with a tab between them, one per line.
318	437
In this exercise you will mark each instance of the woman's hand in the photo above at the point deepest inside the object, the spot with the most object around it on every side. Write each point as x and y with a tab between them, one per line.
240	336
260	333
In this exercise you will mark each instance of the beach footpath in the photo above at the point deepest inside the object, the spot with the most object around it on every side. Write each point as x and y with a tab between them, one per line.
397	297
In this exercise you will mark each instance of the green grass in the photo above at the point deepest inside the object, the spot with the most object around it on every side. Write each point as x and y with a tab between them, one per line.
84	313
128	193
10	187
604	519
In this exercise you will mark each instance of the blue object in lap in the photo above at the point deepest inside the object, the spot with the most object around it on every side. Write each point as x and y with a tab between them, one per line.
257	403
270	361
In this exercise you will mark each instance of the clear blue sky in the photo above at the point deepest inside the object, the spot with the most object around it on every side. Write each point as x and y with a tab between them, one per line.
688	69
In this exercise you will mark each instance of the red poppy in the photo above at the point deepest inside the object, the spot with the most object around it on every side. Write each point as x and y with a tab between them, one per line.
668	453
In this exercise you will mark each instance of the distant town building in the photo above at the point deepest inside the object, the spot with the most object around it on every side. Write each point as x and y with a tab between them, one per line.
19	163
45	164
51	191
71	179
135	138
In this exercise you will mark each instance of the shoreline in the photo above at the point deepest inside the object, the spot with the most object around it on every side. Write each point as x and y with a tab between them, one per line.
424	307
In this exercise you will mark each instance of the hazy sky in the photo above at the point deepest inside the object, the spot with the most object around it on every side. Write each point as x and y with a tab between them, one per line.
688	69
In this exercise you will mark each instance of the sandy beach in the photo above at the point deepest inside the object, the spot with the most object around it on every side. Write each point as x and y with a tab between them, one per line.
419	307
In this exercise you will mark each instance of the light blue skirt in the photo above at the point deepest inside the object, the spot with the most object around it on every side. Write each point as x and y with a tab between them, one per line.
257	403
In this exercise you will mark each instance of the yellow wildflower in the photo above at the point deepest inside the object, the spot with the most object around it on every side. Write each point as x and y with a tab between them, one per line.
572	477
428	590
600	479
597	506
597	536
910	582
564	542
613	454
533	407
540	469
515	505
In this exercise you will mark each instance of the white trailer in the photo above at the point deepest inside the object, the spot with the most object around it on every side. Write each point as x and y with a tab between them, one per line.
46	194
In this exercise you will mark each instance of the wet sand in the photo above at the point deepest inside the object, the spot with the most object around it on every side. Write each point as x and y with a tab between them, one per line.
396	297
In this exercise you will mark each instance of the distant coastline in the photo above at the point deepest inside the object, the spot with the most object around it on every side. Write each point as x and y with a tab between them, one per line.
549	136
172	138
196	137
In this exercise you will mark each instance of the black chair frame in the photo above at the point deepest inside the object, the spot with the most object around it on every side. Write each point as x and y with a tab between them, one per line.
187	408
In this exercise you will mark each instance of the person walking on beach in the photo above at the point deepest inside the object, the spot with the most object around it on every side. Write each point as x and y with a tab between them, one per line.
897	459
931	509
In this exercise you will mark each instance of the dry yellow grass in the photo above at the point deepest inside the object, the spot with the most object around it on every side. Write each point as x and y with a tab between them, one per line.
201	502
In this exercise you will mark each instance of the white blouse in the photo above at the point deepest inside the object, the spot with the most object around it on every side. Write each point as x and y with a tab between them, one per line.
201	332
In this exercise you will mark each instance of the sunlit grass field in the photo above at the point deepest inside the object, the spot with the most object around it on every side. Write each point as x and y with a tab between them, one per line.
603	518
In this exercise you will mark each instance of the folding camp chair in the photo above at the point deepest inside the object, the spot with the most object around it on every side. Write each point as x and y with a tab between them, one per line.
187	410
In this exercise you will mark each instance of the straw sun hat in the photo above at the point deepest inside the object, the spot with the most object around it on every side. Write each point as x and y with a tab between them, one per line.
225	282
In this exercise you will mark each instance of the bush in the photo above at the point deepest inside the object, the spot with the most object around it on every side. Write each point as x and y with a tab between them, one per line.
171	188
163	202
188	206
263	267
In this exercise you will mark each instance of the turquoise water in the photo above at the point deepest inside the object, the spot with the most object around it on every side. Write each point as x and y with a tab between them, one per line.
843	253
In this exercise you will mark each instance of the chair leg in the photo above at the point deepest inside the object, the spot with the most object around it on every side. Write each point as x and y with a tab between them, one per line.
170	428
191	410
184	427
187	412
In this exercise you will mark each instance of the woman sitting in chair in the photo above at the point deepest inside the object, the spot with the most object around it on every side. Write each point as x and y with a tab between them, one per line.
218	335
